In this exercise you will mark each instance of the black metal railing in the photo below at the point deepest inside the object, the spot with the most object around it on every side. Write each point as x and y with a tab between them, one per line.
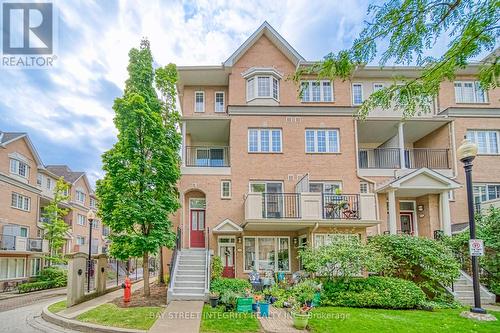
341	206
379	158
207	156
281	205
7	242
173	259
416	158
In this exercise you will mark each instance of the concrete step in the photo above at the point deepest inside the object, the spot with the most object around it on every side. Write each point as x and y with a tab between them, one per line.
189	290
184	261
186	297
189	284
468	293
190	272
190	277
185	267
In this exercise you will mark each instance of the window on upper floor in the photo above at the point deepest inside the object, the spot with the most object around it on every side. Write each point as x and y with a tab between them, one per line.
225	189
92	202
357	94
487	141
325	187
81	219
219	101
39	179
316	91
80	240
364	187
262	87
20	201
50	183
199	101
484	192
19	168
264	140
80	196
322	141
469	92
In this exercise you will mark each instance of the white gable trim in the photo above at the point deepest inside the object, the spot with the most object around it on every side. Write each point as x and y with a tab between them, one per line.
276	39
398	183
227	226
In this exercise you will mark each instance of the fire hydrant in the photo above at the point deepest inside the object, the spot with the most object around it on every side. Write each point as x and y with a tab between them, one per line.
126	290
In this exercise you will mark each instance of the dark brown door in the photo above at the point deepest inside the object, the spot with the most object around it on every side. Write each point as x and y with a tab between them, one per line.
406	220
197	223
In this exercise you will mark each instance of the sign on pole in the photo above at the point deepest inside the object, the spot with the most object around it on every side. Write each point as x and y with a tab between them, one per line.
476	247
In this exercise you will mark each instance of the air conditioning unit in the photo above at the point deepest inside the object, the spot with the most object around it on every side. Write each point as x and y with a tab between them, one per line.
35	244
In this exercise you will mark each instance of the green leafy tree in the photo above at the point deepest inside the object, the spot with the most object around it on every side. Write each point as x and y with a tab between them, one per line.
138	191
401	32
54	226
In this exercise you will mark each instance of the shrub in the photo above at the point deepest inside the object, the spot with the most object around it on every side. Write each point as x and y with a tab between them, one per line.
58	276
427	262
373	292
34	286
222	285
216	271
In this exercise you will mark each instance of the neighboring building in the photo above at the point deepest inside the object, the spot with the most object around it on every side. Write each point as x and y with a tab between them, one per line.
26	187
267	170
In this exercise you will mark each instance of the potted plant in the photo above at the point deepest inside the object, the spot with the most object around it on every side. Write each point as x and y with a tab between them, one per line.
256	298
214	299
301	315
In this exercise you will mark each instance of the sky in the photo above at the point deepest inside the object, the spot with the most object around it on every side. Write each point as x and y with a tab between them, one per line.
67	110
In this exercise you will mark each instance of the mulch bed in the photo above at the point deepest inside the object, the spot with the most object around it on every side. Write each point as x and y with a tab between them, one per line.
158	297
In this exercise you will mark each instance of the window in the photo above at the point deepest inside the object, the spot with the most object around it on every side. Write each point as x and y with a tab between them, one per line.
264	140
317	91
267	253
378	86
80	240
225	189
197	203
219	101
39	179
322	141
19	168
80	219
484	192
36	265
326	187
486	140
20	201
357	93
12	268
266	87
364	187
328	239
199	101
80	196
469	92
92	202
105	230
49	183
95	224
267	187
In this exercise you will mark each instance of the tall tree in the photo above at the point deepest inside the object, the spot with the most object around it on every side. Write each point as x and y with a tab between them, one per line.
54	226
409	29
138	191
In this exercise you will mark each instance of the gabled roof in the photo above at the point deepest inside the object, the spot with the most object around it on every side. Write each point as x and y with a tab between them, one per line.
267	30
405	181
64	171
227	226
9	137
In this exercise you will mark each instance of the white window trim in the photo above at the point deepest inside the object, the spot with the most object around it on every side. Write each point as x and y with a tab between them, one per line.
78	220
17	277
376	84
474	91
223	101
367	187
276	245
322	97
362	95
256	87
250	183
331	182
488	146
485	187
259	147
32	261
327	144
203	105
18	167
21	197
222	196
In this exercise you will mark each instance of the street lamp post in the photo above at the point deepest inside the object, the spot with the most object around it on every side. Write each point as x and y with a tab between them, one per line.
90	218
466	154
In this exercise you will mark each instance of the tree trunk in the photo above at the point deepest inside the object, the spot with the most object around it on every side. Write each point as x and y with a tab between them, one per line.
145	273
161	278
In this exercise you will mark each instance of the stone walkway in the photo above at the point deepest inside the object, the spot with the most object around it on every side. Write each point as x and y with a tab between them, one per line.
179	317
279	321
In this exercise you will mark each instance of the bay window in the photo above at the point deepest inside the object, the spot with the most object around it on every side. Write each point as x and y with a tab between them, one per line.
265	253
263	86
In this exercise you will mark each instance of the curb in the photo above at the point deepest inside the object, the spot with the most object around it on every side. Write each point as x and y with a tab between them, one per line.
81	326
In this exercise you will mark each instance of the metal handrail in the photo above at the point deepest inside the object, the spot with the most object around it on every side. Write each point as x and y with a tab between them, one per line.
173	259
207	279
207	156
341	206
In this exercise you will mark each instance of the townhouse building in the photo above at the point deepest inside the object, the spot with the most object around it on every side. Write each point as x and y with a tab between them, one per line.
267	170
26	188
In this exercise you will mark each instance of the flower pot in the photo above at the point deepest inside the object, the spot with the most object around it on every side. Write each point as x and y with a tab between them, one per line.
255	307
214	301
264	309
300	320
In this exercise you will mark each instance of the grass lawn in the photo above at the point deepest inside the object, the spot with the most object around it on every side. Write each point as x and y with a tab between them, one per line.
56	307
333	319
108	314
216	320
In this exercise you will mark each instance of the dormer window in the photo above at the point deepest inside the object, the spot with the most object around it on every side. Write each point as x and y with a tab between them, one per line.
262	83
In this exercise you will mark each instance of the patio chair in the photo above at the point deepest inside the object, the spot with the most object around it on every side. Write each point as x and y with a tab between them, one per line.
255	280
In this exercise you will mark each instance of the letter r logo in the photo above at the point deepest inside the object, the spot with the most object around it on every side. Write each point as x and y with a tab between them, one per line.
27	28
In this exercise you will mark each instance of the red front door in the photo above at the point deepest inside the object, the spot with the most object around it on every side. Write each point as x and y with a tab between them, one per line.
197	228
227	255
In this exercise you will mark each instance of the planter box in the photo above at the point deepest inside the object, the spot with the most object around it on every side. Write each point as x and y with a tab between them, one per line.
244	304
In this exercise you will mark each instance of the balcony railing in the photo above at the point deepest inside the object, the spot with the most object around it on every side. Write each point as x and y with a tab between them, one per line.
341	206
415	158
207	156
281	205
18	243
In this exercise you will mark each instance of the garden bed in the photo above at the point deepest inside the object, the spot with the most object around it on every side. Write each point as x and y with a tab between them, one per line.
158	297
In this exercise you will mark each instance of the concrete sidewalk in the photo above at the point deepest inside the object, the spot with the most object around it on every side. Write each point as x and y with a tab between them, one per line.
179	317
78	309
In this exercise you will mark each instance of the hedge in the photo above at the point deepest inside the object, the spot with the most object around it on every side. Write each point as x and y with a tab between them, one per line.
50	277
373	292
34	286
221	285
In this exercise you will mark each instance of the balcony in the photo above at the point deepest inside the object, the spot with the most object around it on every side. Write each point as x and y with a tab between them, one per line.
23	244
415	158
308	208
207	156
